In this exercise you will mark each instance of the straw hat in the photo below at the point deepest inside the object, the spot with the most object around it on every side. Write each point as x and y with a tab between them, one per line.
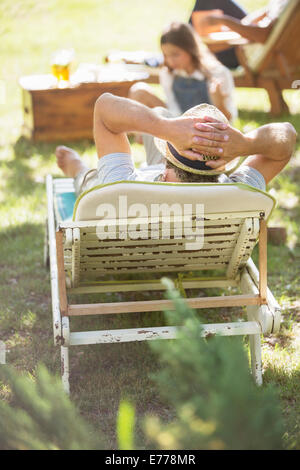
196	166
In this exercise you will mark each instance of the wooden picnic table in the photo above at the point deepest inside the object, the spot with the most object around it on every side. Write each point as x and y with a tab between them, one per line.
58	114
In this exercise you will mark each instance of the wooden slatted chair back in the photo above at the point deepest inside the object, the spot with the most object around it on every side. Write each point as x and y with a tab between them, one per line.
213	242
223	246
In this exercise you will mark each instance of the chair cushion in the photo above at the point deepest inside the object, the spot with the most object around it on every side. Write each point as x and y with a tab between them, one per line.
64	206
217	198
64	199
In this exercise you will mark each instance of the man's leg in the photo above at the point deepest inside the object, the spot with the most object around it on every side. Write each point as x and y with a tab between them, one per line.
73	167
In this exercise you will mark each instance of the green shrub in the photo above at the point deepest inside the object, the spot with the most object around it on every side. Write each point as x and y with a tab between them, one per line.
208	382
41	415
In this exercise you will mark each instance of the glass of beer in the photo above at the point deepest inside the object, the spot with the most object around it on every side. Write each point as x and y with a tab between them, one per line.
60	66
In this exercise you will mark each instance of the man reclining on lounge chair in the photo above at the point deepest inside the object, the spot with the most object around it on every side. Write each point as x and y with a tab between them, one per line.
195	147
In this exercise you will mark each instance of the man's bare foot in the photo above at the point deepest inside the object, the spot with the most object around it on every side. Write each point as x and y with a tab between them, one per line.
69	161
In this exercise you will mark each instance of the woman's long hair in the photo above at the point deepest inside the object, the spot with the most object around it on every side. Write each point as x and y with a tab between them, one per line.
183	36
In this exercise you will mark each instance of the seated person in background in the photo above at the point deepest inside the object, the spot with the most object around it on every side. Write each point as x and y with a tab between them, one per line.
192	75
187	144
228	7
256	27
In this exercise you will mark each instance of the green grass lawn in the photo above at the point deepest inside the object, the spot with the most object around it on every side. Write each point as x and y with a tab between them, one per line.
102	375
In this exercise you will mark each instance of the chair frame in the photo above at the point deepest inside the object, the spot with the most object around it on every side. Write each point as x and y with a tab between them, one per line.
63	249
2	352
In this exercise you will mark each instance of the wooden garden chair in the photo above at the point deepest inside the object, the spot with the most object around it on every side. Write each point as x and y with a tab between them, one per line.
274	65
83	262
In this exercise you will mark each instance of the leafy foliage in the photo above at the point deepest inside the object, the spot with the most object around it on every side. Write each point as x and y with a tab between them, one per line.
41	416
209	384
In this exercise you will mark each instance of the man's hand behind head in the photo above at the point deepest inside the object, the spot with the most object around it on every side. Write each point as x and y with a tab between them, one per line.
234	143
194	137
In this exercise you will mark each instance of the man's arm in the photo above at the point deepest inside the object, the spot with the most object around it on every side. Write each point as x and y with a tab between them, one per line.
115	116
252	32
268	148
271	147
255	16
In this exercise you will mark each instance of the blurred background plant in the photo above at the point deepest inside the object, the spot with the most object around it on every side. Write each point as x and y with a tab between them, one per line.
208	382
40	416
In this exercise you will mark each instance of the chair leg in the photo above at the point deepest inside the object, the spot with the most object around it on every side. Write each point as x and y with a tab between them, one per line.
255	351
2	352
65	369
278	105
46	246
255	313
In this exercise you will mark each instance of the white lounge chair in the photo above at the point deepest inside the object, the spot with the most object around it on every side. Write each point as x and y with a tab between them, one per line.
89	254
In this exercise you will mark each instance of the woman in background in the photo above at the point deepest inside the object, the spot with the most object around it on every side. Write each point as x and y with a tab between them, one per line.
191	75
